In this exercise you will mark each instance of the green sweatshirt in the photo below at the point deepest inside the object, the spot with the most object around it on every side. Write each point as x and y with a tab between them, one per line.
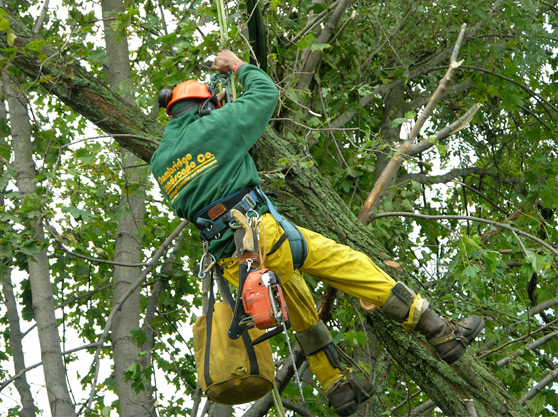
203	159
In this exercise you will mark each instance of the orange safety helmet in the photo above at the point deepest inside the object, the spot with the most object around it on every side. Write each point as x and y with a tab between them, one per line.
188	89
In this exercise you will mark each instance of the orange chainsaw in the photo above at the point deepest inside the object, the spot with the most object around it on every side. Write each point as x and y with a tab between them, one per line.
264	302
260	301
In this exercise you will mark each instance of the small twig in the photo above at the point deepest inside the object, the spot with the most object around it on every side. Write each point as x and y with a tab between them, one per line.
36	365
470	407
519	339
531	346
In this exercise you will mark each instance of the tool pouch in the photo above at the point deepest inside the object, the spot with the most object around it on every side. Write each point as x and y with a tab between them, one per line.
230	371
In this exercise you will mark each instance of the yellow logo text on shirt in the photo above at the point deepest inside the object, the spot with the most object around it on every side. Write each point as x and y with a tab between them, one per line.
184	171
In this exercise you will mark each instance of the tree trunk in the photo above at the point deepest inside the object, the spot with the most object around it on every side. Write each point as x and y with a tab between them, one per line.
132	402
15	343
38	266
309	200
15	336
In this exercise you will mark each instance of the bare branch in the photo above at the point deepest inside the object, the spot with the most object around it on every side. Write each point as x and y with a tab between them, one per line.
469	218
547	380
88	258
519	339
531	346
390	170
39	22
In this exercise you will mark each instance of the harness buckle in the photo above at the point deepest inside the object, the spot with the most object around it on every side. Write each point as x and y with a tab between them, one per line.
249	201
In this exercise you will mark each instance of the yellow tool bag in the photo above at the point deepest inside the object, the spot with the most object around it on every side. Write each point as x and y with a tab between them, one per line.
230	371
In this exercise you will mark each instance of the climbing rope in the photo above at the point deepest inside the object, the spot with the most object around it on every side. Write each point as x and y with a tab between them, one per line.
224	39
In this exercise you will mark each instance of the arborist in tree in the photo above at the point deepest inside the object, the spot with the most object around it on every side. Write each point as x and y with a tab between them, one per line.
204	170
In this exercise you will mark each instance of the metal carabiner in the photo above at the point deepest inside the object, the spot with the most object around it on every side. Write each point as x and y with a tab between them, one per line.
202	273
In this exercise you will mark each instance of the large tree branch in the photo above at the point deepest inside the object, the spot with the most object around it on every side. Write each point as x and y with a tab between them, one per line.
77	88
384	181
306	74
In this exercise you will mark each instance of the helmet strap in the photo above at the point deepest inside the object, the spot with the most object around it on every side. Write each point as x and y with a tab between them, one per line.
185	110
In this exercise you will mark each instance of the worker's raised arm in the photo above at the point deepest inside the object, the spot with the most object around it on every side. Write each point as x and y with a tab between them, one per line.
226	61
249	114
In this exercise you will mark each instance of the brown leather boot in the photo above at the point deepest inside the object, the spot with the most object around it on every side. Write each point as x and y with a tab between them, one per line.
347	396
449	338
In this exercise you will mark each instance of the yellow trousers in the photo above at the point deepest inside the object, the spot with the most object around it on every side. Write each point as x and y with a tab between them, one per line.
337	265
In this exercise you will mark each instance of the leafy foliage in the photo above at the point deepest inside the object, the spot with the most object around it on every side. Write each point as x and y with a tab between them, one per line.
376	74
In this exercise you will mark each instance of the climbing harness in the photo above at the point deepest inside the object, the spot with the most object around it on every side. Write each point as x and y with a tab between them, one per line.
215	219
294	236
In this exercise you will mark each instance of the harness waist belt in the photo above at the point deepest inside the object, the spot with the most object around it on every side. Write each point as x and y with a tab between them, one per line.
215	218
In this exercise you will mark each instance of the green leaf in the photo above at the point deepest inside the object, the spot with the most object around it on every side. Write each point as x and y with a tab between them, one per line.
138	337
79	214
319	46
538	262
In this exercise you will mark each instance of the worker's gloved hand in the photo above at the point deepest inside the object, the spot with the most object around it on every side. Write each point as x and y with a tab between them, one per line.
225	61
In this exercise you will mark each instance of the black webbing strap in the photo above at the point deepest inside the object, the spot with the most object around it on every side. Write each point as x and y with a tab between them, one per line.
227	296
208	329
277	245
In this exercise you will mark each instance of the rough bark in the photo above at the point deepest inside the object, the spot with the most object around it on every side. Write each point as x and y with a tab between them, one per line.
38	267
128	244
309	200
128	250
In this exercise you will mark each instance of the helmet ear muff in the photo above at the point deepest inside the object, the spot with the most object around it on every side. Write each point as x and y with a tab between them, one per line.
165	97
210	104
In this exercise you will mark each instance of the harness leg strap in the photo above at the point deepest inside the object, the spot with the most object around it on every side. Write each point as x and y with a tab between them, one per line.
399	302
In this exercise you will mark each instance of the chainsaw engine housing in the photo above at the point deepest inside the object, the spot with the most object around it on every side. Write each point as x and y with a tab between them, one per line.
263	299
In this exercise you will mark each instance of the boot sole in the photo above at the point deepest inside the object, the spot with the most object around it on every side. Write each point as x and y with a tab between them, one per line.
477	331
